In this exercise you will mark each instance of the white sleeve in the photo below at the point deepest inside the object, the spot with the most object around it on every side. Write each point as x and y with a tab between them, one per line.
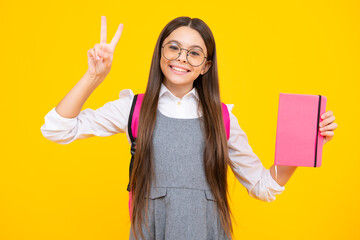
253	175
107	120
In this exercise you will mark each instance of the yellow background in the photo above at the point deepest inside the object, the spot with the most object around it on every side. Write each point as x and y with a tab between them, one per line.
78	191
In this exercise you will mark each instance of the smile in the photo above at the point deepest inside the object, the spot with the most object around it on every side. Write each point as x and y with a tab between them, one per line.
179	70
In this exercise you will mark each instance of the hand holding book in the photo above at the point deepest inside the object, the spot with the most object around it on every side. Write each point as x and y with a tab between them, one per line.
303	127
327	126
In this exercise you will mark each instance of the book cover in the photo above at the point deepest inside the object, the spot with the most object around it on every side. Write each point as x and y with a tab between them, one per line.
298	139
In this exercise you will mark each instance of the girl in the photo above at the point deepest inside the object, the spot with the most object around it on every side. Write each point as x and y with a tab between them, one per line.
179	177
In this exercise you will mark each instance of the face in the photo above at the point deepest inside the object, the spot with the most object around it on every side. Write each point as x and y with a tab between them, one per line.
185	37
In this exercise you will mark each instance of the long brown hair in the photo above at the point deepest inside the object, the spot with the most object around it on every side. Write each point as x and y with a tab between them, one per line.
216	158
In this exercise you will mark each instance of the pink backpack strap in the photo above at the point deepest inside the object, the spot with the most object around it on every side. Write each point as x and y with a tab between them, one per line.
136	114
226	117
133	123
132	130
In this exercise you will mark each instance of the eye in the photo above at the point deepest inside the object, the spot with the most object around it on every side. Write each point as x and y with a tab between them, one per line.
194	53
174	47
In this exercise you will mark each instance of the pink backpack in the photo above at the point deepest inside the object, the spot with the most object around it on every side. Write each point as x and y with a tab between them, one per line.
133	128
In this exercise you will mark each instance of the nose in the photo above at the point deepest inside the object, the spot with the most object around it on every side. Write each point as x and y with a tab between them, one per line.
182	57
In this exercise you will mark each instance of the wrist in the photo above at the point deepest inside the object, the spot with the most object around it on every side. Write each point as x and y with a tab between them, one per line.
91	81
94	76
95	79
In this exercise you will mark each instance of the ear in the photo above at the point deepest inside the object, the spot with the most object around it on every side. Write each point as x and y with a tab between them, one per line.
206	67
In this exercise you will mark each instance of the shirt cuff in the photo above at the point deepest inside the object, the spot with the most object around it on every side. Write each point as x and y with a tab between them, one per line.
266	188
272	183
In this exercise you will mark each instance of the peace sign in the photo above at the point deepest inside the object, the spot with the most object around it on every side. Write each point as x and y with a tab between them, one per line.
100	57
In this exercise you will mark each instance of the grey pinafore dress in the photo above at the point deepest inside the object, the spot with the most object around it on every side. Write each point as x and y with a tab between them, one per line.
181	204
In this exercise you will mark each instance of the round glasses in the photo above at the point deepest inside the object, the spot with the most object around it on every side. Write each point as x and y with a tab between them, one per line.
195	57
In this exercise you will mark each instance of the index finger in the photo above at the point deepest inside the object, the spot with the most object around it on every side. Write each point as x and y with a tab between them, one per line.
117	36
103	30
327	114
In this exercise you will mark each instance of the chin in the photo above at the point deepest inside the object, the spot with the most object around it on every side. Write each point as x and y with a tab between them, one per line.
179	82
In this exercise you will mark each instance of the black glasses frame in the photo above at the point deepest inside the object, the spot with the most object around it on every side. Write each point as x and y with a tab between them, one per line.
187	53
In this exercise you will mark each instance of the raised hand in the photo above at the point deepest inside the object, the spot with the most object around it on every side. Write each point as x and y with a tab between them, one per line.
100	57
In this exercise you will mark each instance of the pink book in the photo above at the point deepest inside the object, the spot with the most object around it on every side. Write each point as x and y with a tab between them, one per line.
298	139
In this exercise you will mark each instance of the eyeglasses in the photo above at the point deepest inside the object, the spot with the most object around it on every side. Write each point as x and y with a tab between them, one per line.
171	51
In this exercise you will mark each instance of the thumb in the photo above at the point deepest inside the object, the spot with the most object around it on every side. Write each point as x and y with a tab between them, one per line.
104	54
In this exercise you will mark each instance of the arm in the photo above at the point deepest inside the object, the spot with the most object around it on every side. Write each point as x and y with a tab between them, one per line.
66	122
107	120
283	173
70	106
250	170
99	60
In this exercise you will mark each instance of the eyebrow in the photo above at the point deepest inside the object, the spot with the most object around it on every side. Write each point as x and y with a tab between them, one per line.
190	46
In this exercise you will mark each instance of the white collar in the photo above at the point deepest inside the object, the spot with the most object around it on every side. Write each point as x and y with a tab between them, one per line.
164	89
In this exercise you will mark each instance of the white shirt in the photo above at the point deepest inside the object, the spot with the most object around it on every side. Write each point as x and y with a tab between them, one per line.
113	116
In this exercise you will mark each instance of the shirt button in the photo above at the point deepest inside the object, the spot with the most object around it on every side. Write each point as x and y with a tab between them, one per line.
178	103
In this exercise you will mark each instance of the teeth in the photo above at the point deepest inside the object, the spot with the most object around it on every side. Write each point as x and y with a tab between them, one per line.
178	69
